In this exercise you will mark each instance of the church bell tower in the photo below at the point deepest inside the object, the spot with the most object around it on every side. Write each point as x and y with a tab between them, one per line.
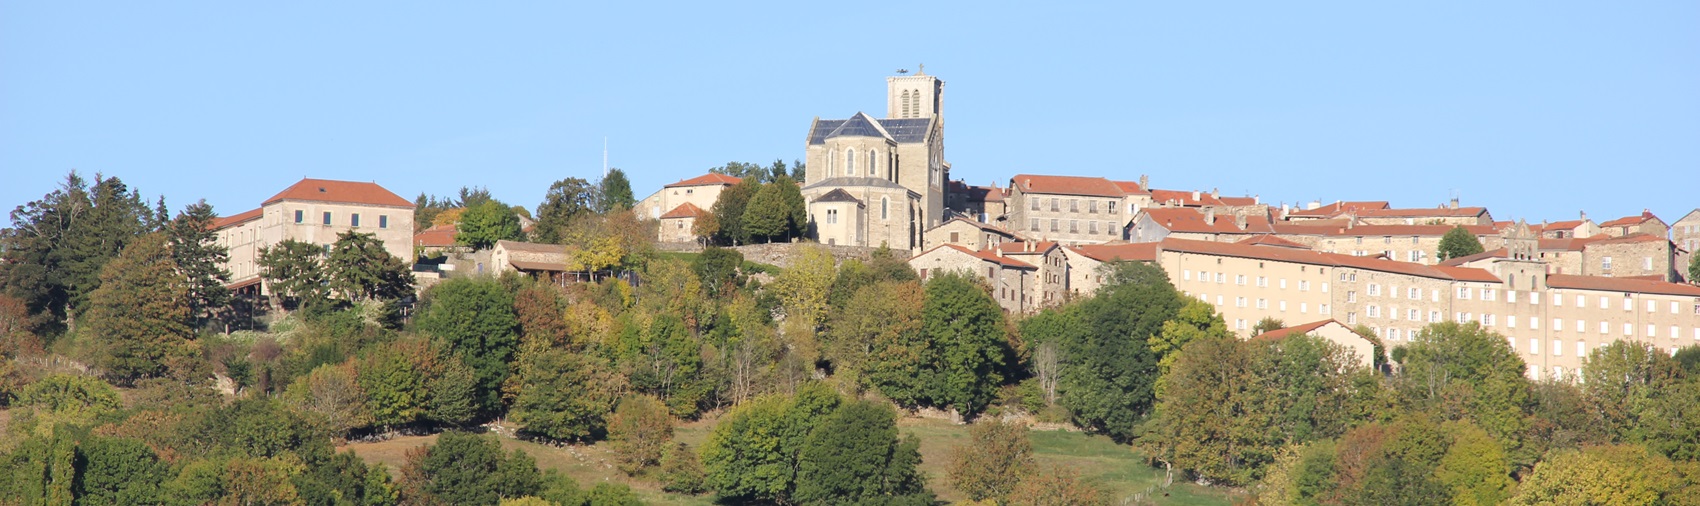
914	96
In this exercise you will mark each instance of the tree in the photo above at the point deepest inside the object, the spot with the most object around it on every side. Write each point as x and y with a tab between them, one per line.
200	259
753	452
566	199
1607	475
1474	467
967	327
742	170
292	270
140	314
1464	370
639	432
681	473
729	210
1196	320
1694	269
567	396
475	320
767	216
1267	324
718	268
52	256
61	399
1109	372
118	471
1458	242
804	287
1056	486
855	456
470	469
483	224
332	392
996	457
614	192
360	268
875	340
412	380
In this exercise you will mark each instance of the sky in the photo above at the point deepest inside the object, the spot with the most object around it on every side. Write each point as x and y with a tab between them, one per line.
1536	110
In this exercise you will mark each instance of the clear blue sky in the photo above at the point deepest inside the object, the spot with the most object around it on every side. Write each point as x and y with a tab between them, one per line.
1534	109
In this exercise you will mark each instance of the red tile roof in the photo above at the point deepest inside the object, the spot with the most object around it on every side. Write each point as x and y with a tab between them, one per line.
1136	252
1020	247
1442	212
1067	185
1131	188
1184	198
1296	330
706	180
1189	220
1340	207
1631	285
685	210
986	255
1630	238
1406	230
1454	262
1557	225
341	192
1327	259
235	219
1238	201
436	237
1272	240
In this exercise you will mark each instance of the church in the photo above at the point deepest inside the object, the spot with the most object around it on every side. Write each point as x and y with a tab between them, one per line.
880	181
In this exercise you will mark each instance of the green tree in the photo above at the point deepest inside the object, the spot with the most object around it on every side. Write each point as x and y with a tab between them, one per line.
1267	324
875	340
1694	269
1464	370
567	396
766	217
52	256
729	208
995	458
742	170
1474	467
753	452
1458	242
681	472
1620	379
200	260
719	269
333	394
292	270
614	192
360	269
566	199
804	287
1604	475
639	432
967	326
1195	320
855	456
61	399
483	224
411	380
471	469
118	471
1108	375
475	319
140	313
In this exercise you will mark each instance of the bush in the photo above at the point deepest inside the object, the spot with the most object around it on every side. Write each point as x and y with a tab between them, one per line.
639	432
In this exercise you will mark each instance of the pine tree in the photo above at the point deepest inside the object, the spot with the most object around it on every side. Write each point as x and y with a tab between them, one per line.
360	268
140	313
293	271
200	260
614	192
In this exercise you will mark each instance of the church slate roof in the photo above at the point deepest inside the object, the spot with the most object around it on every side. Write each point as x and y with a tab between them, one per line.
838	195
854	181
906	131
859	125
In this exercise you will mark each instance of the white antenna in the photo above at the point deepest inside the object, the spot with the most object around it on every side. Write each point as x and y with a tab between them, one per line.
604	157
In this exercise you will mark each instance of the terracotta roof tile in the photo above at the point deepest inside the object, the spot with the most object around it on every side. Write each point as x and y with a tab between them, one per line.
1406	230
436	237
1184	198
1631	285
1630	238
1295	330
1272	240
532	247
1131	188
1340	207
235	219
1067	185
1328	259
1020	247
1189	220
706	180
346	192
685	210
1136	252
1437	212
986	255
1454	262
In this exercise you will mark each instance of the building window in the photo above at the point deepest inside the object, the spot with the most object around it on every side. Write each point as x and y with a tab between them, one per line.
1304	286
831	216
1092	226
1035	202
1054	204
1557	348
1239	279
327	217
1605	264
1110	206
1073	226
1034	223
1053	224
849	162
354	220
1511	296
1092	206
1074	205
1581	349
300	216
383	221
1605	328
885	208
1374	290
1510	321
873	163
1534	346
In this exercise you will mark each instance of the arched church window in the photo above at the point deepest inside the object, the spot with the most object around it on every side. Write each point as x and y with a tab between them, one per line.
849	162
873	163
831	163
885	208
905	101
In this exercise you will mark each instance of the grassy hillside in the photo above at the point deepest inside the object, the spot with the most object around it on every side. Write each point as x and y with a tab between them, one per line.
1115	467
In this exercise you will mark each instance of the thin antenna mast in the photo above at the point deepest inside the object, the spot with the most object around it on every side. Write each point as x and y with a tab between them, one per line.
604	157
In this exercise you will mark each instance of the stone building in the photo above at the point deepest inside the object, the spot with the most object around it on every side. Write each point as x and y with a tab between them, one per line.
1204	224
1011	281
1685	232
863	157
1445	215
967	233
1579	228
1050	283
1071	209
701	191
1086	263
984	204
1645	223
678	225
1406	243
314	211
1363	347
1318	211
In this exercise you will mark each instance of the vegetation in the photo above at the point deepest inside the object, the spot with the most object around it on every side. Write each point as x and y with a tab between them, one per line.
1458	242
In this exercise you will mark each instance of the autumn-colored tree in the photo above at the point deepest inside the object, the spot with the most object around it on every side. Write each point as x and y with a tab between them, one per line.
61	399
1474	467
1056	486
803	289
541	310
874	340
639	432
332	393
995	458
1605	475
140	314
260	481
16	338
681	472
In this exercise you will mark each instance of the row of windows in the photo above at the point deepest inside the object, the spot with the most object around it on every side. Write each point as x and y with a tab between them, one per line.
1281	305
1109	227
353	219
1646	263
872	164
1262	281
1074	205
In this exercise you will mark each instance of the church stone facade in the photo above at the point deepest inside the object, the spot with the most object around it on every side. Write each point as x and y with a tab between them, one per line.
880	181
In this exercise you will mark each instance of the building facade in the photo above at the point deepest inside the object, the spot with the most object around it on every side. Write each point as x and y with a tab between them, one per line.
863	156
315	211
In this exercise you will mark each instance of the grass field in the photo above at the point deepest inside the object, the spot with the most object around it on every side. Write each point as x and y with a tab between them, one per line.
1116	468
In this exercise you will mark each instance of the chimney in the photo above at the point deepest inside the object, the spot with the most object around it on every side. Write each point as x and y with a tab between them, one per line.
1584	216
1256	199
1029	247
1195	195
1284	210
1209	216
1314	204
1215	192
998	251
1454	202
1144	182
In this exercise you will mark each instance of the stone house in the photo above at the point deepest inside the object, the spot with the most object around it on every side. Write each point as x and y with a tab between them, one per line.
1086	263
1051	284
1203	224
967	233
1362	346
701	191
1009	280
677	226
1685	232
1071	209
314	211
1645	223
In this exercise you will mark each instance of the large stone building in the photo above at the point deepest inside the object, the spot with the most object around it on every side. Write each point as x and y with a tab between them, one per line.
1645	223
1013	283
315	211
1685	232
676	206
872	181
1072	209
